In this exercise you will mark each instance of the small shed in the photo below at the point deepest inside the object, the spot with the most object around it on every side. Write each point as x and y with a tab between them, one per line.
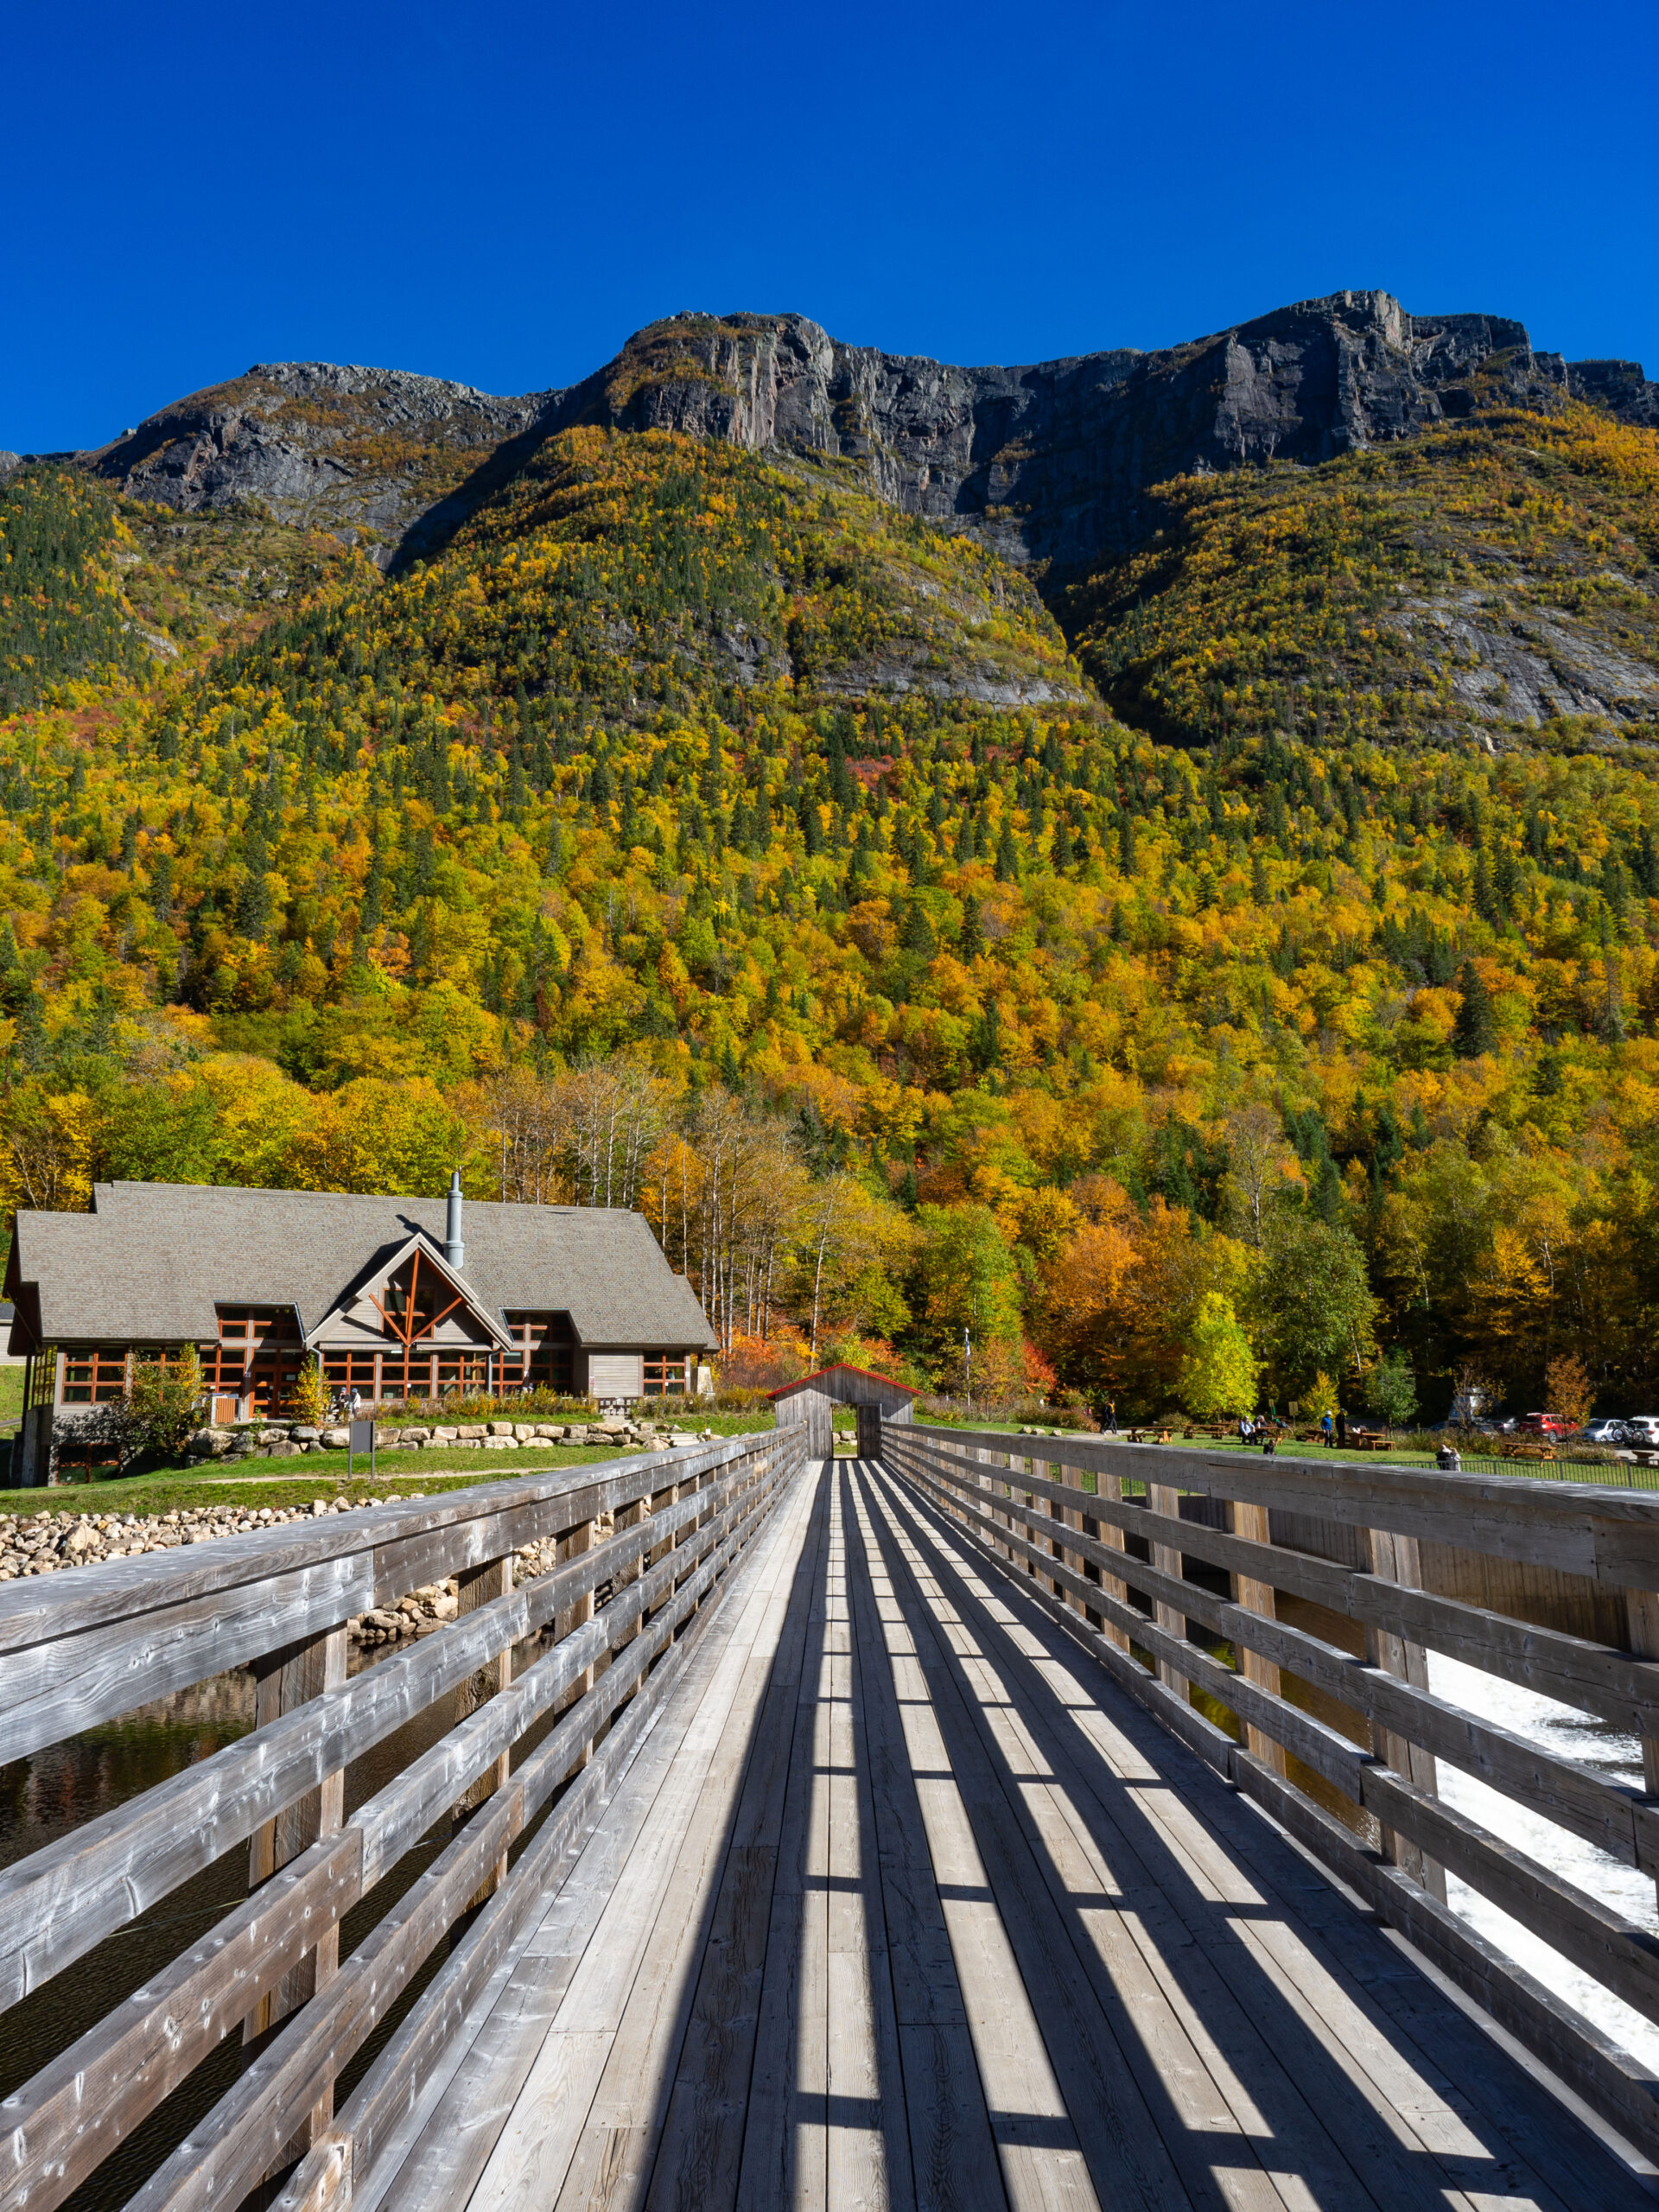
815	1397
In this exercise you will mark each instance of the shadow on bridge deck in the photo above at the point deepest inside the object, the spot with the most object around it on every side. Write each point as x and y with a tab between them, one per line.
904	1902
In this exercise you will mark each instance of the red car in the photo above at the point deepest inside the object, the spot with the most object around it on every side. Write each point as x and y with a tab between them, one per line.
1546	1425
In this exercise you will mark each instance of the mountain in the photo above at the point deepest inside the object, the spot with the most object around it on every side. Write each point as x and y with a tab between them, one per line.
1145	886
1052	464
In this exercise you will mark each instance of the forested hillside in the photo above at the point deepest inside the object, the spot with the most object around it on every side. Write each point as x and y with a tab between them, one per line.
697	831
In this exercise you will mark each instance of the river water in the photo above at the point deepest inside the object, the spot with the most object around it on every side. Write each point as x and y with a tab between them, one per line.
44	1797
1594	1743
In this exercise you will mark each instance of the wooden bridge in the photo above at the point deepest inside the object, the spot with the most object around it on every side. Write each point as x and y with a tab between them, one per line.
953	1830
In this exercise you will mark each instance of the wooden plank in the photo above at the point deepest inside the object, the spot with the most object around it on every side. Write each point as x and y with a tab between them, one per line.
1042	2044
698	2158
1251	1522
1605	2076
249	2128
1167	1558
1186	2010
639	1988
235	2142
69	2116
784	2160
62	1683
475	1588
866	2164
58	1903
85	1647
439	2165
292	1679
1612	1536
1615	1817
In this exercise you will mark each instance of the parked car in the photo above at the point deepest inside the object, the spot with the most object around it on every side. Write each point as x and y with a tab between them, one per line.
1544	1425
1645	1430
1606	1428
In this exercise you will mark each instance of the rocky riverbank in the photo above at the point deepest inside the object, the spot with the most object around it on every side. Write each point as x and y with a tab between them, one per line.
53	1540
283	1440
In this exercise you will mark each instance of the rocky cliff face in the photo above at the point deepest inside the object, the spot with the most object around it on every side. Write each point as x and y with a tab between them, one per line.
1051	463
369	454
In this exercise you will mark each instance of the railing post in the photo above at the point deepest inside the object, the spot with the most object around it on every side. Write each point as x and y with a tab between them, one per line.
1167	1560
573	1545
283	1680
1642	1618
477	1586
1073	1519
1111	1486
1253	1523
1397	1558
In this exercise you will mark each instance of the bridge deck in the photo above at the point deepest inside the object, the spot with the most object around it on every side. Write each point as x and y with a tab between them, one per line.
904	1902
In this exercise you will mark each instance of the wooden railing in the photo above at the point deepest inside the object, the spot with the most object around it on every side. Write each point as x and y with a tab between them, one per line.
655	1533
1325	1718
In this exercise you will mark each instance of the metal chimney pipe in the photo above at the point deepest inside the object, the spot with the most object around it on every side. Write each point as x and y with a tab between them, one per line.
453	1250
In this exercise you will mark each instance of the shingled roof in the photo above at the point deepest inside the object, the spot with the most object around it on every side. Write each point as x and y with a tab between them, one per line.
152	1261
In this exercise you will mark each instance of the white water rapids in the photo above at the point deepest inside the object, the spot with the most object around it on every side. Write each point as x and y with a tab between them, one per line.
1595	1743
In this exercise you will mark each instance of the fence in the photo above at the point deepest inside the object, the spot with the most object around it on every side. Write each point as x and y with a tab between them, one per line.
86	1647
1284	1636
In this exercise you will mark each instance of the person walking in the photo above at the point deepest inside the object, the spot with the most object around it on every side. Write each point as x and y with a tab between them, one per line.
1327	1428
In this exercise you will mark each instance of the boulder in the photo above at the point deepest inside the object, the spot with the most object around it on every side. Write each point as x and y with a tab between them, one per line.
473	1432
499	1427
306	1435
336	1439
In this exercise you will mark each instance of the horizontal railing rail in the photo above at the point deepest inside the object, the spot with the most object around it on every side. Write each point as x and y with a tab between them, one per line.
1329	1723
656	1534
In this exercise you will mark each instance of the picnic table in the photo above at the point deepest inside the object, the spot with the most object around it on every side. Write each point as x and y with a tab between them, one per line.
1148	1436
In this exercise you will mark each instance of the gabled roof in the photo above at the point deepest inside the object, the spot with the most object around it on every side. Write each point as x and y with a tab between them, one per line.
370	1278
842	1367
152	1261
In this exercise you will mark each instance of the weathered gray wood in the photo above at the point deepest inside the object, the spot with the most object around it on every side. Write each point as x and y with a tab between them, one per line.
1168	1991
1256	1596
477	1587
1612	1536
59	1903
1166	1558
1268	2000
1609	1947
125	2065
1611	1683
1610	2081
1617	1819
238	2140
61	2123
292	1679
67	1682
83	1647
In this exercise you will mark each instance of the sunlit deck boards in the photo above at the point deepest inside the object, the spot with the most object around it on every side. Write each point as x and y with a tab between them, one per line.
904	1904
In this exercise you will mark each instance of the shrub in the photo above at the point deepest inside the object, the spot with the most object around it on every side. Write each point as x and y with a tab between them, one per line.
161	1406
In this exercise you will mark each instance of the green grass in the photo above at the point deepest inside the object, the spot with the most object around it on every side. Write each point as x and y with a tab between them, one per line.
11	1394
322	1474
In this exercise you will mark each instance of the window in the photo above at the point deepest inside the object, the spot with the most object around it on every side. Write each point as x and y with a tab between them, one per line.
666	1373
257	1356
547	1352
349	1370
461	1371
96	1376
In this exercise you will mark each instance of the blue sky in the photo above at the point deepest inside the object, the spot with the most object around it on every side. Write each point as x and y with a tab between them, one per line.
501	195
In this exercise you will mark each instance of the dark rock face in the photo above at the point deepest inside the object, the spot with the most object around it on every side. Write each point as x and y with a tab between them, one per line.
362	453
1051	463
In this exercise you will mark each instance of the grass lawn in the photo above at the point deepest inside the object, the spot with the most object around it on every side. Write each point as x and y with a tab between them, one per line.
322	1474
11	1395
